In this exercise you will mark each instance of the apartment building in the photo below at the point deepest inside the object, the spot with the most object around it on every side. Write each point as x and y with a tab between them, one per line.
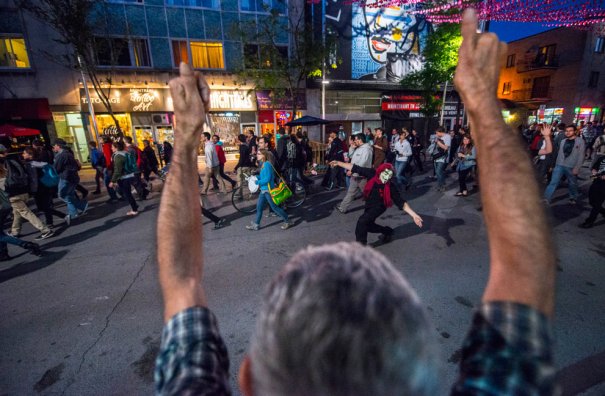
557	75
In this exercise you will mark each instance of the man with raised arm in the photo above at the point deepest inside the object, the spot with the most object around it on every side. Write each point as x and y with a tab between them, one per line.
339	319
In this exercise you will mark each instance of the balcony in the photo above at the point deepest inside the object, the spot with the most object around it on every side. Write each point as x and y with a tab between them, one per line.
532	95
538	63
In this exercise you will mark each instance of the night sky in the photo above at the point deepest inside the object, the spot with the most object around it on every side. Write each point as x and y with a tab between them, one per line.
510	31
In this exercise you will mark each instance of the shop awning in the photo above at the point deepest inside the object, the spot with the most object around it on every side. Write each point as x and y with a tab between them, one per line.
15	131
25	109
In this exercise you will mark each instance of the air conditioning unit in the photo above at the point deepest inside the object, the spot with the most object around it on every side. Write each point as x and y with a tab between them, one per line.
161	119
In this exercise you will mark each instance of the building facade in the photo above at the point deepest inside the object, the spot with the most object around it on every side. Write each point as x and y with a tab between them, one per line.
557	75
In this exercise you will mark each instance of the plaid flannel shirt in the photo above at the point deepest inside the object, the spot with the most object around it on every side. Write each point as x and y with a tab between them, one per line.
507	351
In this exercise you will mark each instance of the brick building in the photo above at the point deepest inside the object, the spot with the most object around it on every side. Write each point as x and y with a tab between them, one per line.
554	75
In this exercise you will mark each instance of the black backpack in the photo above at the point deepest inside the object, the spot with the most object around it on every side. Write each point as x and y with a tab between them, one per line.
17	178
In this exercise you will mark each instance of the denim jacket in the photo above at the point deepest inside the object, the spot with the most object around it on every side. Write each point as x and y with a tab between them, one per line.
469	160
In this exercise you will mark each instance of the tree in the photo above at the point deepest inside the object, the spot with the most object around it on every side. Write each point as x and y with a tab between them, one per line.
270	64
78	22
441	56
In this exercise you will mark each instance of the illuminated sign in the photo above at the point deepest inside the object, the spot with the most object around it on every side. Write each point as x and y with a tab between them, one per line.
231	100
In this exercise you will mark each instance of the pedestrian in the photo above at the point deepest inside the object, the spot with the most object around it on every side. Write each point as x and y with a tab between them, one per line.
152	161
266	181
544	156
440	155
403	151
141	162
167	152
212	165
108	171
244	164
335	153
569	161
466	160
362	156
5	211
124	169
416	149
381	146
18	184
378	195
43	195
222	160
67	167
97	160
596	193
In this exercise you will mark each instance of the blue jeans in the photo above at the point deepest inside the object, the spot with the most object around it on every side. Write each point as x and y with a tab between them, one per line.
557	174
440	173
5	238
107	180
260	206
400	167
67	193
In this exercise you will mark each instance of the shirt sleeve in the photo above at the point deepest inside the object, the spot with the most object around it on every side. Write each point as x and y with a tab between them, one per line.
368	173
193	358
507	352
396	197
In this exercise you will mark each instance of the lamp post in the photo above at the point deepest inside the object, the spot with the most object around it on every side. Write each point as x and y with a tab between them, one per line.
91	109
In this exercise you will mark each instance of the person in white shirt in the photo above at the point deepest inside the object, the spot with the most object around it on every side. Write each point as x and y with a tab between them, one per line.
362	156
403	151
212	165
440	155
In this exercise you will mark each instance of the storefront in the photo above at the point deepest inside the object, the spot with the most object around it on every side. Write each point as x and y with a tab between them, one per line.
147	114
275	113
546	115
586	114
31	114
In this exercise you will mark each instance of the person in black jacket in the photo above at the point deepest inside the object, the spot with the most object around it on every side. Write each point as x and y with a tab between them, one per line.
67	168
379	195
336	153
152	160
244	164
596	193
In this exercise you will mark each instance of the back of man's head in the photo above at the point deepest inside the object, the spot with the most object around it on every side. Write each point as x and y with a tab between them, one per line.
340	320
360	136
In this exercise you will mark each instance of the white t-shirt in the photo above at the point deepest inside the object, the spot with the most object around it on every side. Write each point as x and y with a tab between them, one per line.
447	140
403	150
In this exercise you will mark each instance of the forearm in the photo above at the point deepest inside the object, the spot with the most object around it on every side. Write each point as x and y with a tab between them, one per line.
179	233
408	209
344	165
521	250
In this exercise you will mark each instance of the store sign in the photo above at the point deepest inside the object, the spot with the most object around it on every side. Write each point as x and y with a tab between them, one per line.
231	100
266	100
129	100
400	102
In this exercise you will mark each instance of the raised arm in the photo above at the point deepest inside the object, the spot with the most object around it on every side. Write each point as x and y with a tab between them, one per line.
546	133
179	238
522	258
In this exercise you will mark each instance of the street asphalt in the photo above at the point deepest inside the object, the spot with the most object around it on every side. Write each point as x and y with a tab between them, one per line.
86	318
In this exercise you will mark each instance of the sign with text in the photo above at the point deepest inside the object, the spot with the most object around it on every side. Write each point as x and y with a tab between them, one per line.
268	101
231	100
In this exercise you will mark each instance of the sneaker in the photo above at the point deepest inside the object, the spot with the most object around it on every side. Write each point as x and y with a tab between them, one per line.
286	225
340	210
132	213
271	214
386	238
572	201
83	212
219	224
253	227
586	224
68	220
33	248
45	235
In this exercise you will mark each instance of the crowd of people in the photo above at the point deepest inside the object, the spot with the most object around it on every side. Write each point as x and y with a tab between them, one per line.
44	174
339	319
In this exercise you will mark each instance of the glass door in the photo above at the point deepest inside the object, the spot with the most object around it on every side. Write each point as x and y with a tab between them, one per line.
143	132
80	145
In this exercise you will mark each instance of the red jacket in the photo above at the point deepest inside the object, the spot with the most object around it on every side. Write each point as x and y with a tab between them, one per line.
220	154
108	155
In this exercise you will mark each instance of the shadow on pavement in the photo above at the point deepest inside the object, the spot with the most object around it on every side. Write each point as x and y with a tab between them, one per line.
20	269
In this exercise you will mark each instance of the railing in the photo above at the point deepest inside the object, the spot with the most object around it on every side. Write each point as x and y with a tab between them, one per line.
551	62
522	95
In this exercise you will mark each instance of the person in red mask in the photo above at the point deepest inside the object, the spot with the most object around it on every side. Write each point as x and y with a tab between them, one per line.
379	195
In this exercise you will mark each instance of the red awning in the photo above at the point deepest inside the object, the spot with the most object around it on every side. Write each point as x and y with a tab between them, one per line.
14	131
25	109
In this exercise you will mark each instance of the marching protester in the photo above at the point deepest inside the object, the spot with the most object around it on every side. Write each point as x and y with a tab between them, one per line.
335	153
108	171
212	165
330	298
151	159
97	161
124	174
381	146
403	151
18	183
568	163
141	162
442	145
244	163
222	160
596	193
266	182
5	211
67	167
467	159
379	196
361	156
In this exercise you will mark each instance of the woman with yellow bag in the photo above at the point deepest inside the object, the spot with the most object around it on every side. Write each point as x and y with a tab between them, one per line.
266	183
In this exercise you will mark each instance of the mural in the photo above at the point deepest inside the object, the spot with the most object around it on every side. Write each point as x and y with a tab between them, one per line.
386	42
380	44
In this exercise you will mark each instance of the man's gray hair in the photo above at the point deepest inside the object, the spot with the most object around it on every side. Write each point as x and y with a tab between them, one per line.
340	320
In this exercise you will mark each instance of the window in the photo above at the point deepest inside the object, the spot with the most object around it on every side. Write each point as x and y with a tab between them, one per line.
13	53
113	51
263	5
594	79
546	55
126	1
541	87
510	61
599	45
207	55
179	52
195	3
263	56
203	55
506	88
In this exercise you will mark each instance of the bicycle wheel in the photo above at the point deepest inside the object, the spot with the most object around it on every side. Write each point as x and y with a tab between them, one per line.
299	193
244	200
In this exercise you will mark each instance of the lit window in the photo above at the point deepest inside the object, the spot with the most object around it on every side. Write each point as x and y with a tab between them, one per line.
506	88
179	52
13	52
263	56
510	61
207	55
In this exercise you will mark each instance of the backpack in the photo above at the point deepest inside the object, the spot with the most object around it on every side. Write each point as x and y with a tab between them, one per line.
17	179
437	152
130	164
50	177
98	159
